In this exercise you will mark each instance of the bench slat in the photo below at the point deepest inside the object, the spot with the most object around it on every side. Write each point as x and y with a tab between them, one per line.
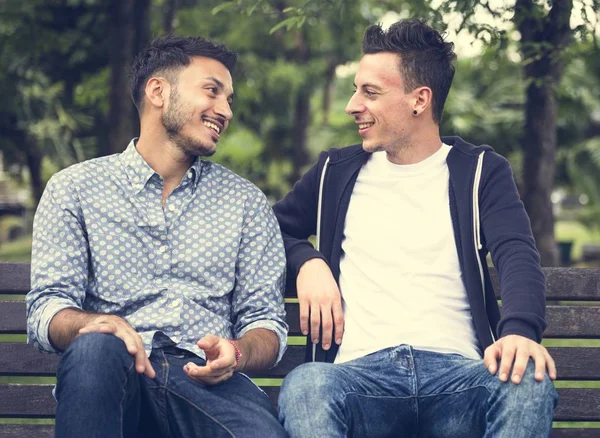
567	284
575	433
26	431
14	278
18	359
28	401
36	401
563	321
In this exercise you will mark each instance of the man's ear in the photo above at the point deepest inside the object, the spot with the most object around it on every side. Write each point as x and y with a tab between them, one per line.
157	91
423	99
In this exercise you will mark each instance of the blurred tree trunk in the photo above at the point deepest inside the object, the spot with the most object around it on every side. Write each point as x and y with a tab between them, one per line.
544	35
328	87
301	121
169	10
129	33
302	56
34	164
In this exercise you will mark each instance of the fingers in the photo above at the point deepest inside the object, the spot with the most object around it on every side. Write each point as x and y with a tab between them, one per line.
550	364
304	316
209	344
132	340
508	356
490	358
208	374
338	321
326	326
543	361
148	369
315	322
515	351
520	365
332	318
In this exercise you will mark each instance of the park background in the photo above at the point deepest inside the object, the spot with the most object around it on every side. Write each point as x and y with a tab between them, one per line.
527	83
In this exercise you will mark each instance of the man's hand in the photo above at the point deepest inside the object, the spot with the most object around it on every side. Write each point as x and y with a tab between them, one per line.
319	295
518	349
115	325
220	361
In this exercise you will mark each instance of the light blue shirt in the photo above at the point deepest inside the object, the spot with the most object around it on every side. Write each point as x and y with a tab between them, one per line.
211	262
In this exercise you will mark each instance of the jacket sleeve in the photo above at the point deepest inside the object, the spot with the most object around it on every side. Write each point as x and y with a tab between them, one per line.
507	233
297	216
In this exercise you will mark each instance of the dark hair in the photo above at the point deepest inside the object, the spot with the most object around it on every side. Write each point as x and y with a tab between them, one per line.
425	58
167	54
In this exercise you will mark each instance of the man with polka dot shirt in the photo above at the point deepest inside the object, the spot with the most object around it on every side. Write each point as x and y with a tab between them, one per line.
158	275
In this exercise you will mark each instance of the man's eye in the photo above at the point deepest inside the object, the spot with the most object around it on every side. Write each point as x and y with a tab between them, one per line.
213	90
369	93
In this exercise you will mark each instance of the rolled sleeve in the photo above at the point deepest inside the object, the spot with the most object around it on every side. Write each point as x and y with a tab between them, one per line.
59	261
276	328
260	274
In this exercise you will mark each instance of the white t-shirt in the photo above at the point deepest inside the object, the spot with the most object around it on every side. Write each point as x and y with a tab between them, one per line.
399	272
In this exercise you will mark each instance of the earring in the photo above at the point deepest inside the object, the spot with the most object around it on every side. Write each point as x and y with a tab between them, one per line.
415	112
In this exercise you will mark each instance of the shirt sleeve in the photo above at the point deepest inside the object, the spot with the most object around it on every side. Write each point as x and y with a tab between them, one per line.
59	260
260	274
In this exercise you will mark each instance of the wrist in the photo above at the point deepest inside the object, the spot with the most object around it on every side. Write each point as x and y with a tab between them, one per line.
310	262
238	352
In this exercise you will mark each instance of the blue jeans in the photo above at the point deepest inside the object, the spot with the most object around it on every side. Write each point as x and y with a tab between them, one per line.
99	394
402	392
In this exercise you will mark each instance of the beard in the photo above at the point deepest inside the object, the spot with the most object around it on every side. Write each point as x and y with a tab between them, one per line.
174	120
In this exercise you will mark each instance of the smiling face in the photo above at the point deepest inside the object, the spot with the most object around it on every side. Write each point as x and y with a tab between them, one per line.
199	106
380	107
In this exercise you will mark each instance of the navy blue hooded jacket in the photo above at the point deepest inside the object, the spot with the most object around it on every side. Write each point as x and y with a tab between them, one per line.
487	216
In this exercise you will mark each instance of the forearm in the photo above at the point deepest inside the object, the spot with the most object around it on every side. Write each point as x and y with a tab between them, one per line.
259	348
66	324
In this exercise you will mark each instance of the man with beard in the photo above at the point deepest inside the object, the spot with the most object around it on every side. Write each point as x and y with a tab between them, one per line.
159	275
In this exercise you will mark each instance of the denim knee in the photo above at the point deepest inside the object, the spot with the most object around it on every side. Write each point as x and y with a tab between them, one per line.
530	394
310	380
93	357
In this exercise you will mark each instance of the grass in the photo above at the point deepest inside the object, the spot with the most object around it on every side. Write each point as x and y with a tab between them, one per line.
576	232
16	251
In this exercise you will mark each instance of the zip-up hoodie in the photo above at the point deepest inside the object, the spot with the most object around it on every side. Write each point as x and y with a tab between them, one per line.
487	216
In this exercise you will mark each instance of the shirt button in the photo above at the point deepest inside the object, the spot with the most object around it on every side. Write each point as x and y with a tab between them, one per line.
175	303
162	249
172	207
190	174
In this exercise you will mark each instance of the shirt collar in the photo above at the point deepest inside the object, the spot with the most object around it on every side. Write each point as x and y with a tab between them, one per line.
139	172
136	168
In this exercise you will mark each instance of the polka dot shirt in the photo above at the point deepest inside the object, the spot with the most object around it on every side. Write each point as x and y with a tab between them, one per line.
210	262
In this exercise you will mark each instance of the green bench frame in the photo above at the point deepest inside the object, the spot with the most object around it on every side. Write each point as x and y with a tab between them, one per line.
573	313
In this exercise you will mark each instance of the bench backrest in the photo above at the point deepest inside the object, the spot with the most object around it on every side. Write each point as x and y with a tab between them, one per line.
572	337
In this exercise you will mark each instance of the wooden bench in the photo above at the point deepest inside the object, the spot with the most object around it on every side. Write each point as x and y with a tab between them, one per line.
577	316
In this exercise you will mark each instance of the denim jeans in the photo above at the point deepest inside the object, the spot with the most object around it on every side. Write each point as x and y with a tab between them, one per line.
402	392
99	394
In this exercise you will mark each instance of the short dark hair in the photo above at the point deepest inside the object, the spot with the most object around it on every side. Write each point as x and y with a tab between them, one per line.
425	58
167	54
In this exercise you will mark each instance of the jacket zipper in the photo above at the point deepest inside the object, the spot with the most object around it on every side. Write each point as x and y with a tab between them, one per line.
318	236
477	232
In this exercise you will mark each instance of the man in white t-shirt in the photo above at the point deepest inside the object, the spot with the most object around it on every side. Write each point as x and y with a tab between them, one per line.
399	282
